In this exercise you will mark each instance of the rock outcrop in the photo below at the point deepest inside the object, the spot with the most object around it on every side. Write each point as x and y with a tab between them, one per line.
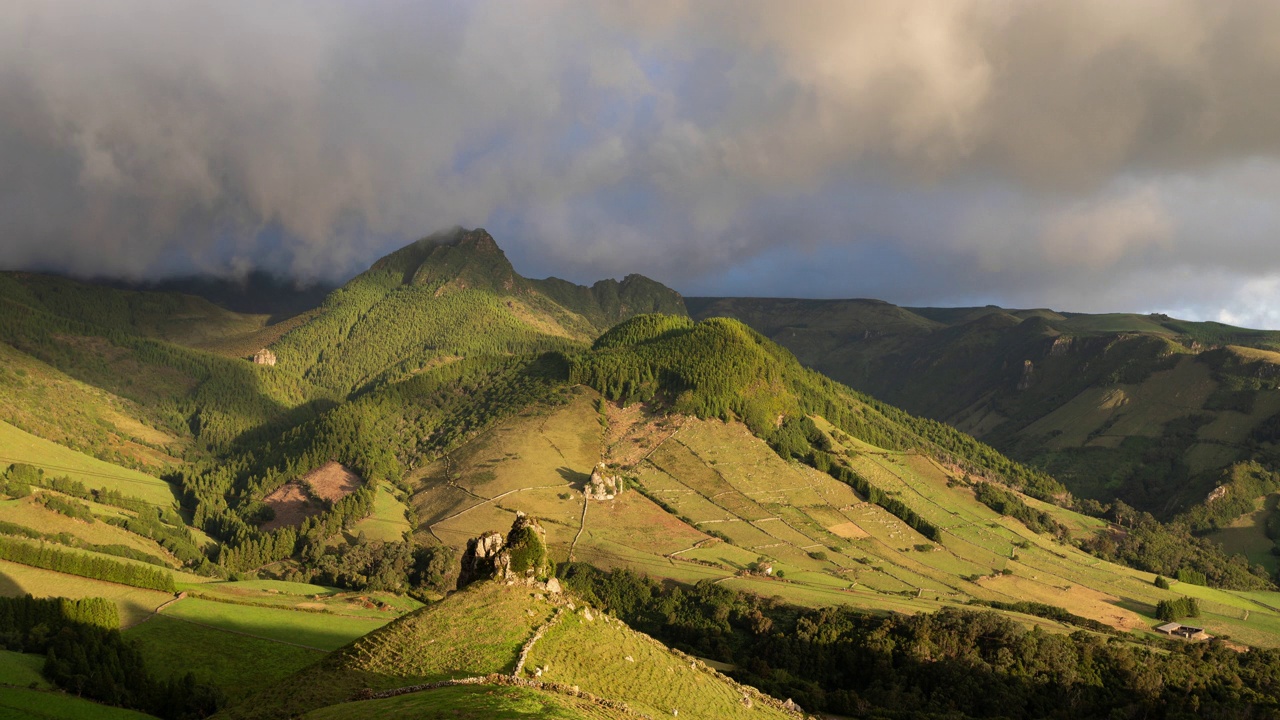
602	486
521	556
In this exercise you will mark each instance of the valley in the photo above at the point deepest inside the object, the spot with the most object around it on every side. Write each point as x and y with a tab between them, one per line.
285	540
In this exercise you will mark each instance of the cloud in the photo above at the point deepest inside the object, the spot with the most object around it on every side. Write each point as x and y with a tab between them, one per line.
1075	152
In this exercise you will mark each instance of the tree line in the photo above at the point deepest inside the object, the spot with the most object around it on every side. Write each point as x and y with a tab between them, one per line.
85	654
97	568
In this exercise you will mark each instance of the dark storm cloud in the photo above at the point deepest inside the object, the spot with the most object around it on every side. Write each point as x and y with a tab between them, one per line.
1085	155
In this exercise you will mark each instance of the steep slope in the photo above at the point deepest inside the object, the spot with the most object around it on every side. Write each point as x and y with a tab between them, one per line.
508	641
1145	408
898	517
448	295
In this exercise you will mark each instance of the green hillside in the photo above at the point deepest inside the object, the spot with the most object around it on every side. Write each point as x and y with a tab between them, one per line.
692	477
1147	409
476	638
446	296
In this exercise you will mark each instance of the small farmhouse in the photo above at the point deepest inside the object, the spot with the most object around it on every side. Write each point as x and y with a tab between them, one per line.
264	357
1185	632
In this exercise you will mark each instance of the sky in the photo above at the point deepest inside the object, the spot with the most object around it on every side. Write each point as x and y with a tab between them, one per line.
1084	155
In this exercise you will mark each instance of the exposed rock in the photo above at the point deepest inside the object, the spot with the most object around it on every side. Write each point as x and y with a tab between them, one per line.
480	560
264	357
522	556
601	486
1027	371
1217	493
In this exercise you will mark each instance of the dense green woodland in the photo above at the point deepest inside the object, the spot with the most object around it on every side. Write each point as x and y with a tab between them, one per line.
86	655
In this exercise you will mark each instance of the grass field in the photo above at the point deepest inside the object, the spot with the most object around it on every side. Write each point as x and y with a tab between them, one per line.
17	446
23	704
22	670
134	604
29	513
301	596
606	658
1247	536
473	702
387	523
315	630
53	405
239	664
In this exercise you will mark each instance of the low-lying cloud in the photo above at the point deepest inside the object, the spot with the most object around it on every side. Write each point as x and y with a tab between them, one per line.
1089	155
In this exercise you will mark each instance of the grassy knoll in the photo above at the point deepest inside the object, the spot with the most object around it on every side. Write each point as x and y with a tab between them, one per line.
135	604
22	670
17	446
238	664
24	704
606	658
474	632
318	630
476	702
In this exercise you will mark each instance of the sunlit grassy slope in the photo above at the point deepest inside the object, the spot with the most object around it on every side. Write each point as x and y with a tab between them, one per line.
733	500
480	632
17	446
1142	407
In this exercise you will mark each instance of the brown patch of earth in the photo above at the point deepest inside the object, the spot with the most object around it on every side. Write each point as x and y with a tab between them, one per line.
634	431
309	495
332	481
291	505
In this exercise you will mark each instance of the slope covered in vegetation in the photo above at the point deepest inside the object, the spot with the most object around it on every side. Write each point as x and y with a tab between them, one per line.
1148	409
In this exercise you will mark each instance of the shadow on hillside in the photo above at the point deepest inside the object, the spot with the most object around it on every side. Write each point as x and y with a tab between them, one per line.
9	587
577	479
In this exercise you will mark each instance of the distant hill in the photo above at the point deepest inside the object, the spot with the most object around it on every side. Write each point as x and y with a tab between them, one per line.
1149	409
257	293
451	295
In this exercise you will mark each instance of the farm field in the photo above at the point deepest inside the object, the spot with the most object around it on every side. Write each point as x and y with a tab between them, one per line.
26	704
304	597
134	604
1247	535
17	446
29	513
388	522
238	664
312	630
734	501
22	670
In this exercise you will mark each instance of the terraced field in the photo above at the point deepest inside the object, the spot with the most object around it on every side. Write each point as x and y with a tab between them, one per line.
732	502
